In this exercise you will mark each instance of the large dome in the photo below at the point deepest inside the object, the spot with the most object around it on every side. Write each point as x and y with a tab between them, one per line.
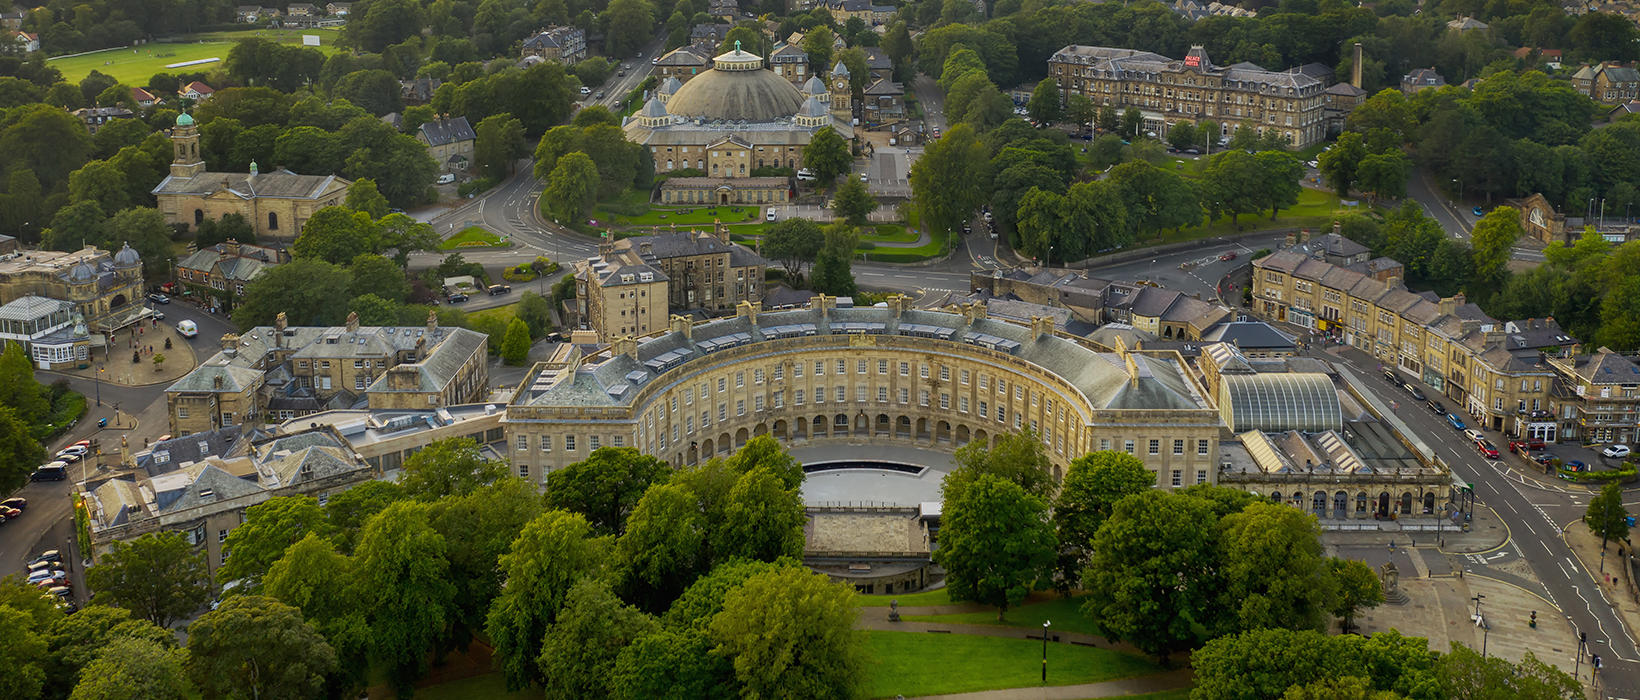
732	95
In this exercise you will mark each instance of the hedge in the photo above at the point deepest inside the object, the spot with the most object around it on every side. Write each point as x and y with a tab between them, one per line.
1627	472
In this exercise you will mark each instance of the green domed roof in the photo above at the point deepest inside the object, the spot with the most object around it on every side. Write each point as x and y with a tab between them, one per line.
185	120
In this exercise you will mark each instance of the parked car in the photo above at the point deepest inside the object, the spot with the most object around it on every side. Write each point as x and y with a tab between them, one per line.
1574	465
1487	449
1474	435
1545	458
1436	407
500	289
805	174
18	503
48	555
48	574
1456	422
68	457
1613	451
75	449
159	298
56	471
456	298
1419	395
36	566
1478	212
63	592
769	214
1393	378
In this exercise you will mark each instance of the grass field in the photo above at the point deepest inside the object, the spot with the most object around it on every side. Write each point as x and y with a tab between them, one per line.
911	664
473	237
696	215
939	597
135	66
1065	614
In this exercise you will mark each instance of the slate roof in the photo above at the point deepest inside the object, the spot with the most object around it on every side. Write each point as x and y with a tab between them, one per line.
203	378
279	184
1606	368
441	364
441	132
885	87
1255	335
688	243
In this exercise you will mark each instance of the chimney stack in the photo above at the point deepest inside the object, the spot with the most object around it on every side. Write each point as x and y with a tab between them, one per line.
748	310
626	345
353	322
230	344
682	324
279	323
1355	67
432	323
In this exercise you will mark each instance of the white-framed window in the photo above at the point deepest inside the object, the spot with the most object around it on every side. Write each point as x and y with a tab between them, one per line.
1201	447
905	369
722	384
984	410
984	382
593	442
757	402
779	372
797	370
905	396
1127	445
924	397
358	381
842	394
740	379
842	366
523	471
819	367
860	367
797	397
923	371
1178	447
780	399
945	373
962	404
1155	447
1104	444
723	412
620	441
1178	477
963	377
882	366
945	400
546	443
569	443
882	394
740	407
1201	476
523	442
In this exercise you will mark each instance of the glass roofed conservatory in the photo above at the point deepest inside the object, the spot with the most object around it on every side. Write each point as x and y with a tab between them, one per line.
1276	402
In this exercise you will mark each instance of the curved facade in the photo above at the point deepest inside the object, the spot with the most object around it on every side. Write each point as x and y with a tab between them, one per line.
931	379
736	89
1280	401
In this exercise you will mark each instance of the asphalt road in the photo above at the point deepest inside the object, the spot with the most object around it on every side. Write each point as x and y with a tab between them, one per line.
1534	512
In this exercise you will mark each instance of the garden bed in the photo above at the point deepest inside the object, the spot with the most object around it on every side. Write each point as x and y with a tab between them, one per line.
474	237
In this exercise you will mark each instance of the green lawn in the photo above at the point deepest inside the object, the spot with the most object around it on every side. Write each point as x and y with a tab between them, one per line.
935	597
135	68
1065	614
889	233
473	237
696	215
1314	210
913	663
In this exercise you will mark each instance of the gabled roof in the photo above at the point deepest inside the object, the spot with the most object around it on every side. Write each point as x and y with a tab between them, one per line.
440	132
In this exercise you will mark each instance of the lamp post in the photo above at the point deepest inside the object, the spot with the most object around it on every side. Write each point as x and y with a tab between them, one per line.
1045	624
97	380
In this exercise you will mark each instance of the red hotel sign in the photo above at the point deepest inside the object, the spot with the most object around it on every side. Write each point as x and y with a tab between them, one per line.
1193	61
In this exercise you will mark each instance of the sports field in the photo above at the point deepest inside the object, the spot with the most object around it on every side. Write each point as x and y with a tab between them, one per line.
136	66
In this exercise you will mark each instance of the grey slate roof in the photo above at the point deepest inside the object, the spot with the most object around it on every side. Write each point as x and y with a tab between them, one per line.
440	132
1255	335
281	184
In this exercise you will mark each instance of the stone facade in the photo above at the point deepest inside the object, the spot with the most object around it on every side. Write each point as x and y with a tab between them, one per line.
224	269
565	44
105	289
716	191
928	379
1168	91
276	204
1540	220
629	289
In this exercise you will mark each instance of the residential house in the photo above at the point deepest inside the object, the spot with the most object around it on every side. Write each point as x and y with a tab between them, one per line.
878	63
449	140
142	97
1616	84
1548	57
1421	79
249	13
222	271
567	45
95	118
25	42
418	91
873	15
1599	397
282	372
789	61
883	100
198	91
338	9
1465	24
708	37
13	20
301	9
682	63
724	9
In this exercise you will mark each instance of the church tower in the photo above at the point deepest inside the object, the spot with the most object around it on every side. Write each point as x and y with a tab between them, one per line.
185	137
842	92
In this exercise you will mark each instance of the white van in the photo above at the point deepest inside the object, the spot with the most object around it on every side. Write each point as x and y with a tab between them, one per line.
805	174
446	178
187	328
770	213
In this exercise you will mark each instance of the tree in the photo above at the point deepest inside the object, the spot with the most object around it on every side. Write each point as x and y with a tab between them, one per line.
73	641
20	652
832	273
790	633
1183	135
1020	458
606	486
827	155
404	235
336	235
1606	515
1234	180
349	510
362	196
663	548
1044	105
1265	663
317	580
1384	174
672	664
303	289
995	542
555	550
1465	675
158	576
231	227
1151	571
948	181
134	669
500	143
374	274
579	651
1093	485
793	242
270	528
817	43
253	646
571	188
400	559
853	202
19	451
764	452
515	349
763	520
1278	173
1341	163
1273	570
1158	199
449	467
629	25
1493	240
1358	589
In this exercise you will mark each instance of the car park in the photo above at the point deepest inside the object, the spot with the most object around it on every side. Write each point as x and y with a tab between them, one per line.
1613	451
1455	421
1487	449
1436	406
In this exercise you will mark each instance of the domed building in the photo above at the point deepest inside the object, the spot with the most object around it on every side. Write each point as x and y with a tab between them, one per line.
727	122
53	302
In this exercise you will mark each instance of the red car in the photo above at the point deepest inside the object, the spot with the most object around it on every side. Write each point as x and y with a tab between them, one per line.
1228	256
1487	449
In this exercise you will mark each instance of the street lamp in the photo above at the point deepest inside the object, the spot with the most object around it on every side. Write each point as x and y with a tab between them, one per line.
1045	624
97	380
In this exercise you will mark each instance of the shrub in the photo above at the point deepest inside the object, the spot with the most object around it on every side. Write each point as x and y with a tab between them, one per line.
476	186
